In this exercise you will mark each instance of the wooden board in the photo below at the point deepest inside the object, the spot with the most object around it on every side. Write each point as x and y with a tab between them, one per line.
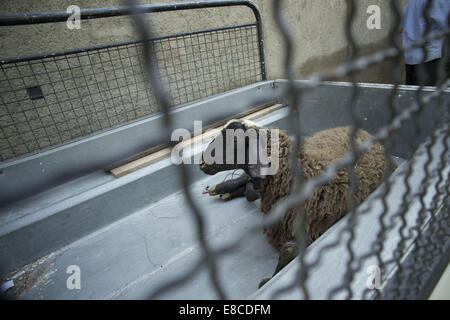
204	129
209	132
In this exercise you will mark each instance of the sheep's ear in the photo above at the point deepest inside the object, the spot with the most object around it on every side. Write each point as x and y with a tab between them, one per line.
254	158
254	169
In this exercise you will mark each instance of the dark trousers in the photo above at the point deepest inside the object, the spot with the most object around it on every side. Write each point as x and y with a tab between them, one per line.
425	74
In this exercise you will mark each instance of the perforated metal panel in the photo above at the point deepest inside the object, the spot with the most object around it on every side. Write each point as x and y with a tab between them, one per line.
52	98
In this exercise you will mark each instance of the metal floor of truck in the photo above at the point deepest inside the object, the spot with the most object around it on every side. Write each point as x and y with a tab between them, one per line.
134	255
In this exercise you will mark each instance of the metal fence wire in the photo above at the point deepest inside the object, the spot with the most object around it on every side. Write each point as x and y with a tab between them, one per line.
125	81
49	99
430	243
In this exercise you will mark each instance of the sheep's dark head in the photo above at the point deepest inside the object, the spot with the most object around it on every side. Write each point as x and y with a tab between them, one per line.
242	144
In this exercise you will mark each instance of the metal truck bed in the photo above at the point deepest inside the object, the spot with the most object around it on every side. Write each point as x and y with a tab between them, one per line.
69	116
130	235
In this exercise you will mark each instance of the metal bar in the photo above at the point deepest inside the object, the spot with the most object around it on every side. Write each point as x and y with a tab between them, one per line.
118	44
14	19
154	79
378	245
353	180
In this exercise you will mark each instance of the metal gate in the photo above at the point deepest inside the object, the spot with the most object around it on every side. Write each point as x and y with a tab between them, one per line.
51	98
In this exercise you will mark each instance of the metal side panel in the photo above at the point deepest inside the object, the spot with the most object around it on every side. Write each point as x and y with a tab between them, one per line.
24	177
59	216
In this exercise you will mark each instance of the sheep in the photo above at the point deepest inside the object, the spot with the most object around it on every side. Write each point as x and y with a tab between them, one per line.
325	206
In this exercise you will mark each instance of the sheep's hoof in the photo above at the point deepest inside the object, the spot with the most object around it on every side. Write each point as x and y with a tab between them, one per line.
263	281
212	191
233	194
225	196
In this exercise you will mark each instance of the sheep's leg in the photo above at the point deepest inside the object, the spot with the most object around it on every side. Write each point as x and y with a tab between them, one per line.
239	192
234	188
230	186
287	253
251	194
248	191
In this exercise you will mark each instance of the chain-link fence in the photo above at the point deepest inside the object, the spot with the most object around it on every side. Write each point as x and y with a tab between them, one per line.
112	87
430	239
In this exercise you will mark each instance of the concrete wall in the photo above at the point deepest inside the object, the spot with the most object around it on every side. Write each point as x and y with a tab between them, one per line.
317	25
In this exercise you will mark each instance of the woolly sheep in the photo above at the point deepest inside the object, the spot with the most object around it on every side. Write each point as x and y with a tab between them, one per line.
326	205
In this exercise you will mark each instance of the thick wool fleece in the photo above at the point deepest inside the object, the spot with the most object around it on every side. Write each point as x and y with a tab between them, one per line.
328	203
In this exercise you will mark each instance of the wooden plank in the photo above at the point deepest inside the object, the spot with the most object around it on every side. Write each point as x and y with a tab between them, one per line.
207	134
263	112
204	129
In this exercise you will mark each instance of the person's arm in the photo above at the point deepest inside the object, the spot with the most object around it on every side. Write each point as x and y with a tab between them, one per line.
440	13
401	25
